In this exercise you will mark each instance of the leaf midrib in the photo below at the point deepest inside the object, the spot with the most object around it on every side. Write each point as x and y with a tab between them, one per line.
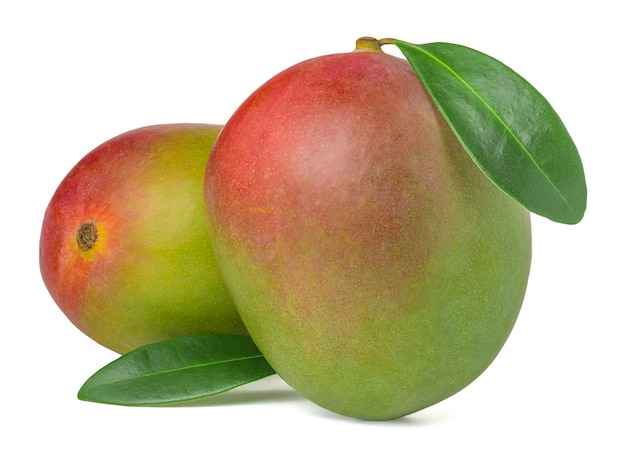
497	116
169	371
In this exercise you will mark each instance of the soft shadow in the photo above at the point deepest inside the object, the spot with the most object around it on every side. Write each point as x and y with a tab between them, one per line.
271	389
423	418
234	397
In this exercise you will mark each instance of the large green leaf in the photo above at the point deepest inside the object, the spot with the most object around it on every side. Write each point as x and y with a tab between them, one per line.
507	127
176	370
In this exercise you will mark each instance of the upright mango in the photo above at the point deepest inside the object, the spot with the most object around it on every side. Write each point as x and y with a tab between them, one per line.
375	266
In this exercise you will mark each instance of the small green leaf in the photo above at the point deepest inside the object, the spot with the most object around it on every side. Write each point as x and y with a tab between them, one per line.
507	127
176	370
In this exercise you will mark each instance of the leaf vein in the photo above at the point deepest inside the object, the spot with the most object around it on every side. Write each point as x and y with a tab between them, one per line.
497	116
178	369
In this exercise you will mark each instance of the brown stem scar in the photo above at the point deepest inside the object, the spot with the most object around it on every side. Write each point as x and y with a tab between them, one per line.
87	235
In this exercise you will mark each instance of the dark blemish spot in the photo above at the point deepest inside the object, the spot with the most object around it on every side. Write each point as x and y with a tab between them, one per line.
87	235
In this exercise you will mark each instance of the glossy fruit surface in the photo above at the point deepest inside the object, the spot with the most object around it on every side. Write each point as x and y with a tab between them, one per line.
375	266
124	248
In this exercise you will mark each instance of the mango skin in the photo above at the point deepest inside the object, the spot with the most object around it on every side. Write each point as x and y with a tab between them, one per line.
375	266
151	273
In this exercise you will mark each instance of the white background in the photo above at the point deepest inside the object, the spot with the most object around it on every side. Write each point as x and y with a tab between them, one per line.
74	74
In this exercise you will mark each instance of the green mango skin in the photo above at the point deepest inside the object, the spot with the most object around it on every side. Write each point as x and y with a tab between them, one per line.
151	274
375	266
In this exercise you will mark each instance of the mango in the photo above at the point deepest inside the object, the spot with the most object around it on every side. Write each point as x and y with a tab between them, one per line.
124	247
373	263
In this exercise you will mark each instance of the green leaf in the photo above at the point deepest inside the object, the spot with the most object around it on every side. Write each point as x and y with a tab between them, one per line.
507	127
176	370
